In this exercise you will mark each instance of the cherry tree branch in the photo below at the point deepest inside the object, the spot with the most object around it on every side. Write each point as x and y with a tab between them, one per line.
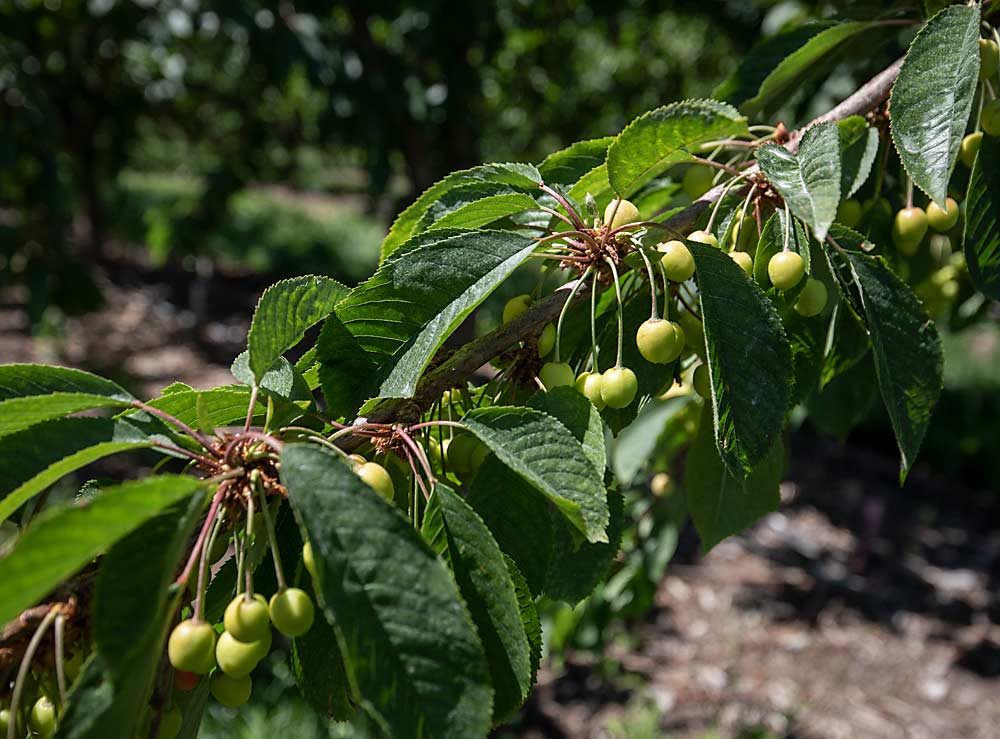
465	361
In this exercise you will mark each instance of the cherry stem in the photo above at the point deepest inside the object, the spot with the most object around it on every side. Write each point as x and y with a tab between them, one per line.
60	634
722	196
788	228
564	203
653	315
196	435
557	214
185	452
22	670
687	306
565	309
666	290
248	573
593	320
621	310
253	402
258	487
909	192
418	453
200	541
743	212
429	424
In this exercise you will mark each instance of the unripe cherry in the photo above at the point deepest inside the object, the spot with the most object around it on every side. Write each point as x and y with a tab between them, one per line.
989	58
237	658
989	119
785	270
515	307
625	213
849	213
812	299
556	374
697	181
377	477
546	340
678	264
246	618
231	692
589	384
308	559
969	148
694	331
744	260
42	718
702	383
908	230
703	237
659	341
942	219
191	647
292	611
619	387
171	722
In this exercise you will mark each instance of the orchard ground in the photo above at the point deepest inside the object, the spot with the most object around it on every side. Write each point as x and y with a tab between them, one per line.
857	610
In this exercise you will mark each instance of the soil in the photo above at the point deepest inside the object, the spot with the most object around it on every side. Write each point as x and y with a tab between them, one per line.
858	610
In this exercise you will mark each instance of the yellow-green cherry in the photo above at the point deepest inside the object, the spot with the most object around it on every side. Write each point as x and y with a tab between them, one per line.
785	270
309	559
989	58
516	306
676	260
237	658
660	341
292	611
697	181
744	260
703	237
701	382
546	340
989	119
849	213
377	477
556	374
589	384
42	718
191	647
942	219
246	618
232	692
812	299
969	148
619	387
908	230
171	722
620	214
694	332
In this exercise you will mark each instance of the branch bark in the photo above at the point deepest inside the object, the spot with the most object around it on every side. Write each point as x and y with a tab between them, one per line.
472	356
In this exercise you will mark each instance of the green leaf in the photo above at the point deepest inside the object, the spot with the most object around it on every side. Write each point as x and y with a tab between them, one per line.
133	608
224	406
22	380
566	166
382	336
637	443
475	205
20	413
846	400
529	615
809	182
720	504
594	183
486	586
580	418
61	541
847	343
543	452
412	648
858	149
669	135
932	97
801	63
406	225
35	457
750	364
285	311
907	349
981	237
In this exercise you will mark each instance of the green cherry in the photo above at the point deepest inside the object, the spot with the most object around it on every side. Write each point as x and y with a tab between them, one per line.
743	235
969	148
377	477
744	260
171	722
942	219
989	119
676	260
812	299
237	658
619	387
246	618
697	181
849	213
232	692
694	332
626	213
308	559
556	374
589	384
42	718
292	611
908	230
660	341
989	58
191	647
703	237
785	270
546	340
701	382
515	307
